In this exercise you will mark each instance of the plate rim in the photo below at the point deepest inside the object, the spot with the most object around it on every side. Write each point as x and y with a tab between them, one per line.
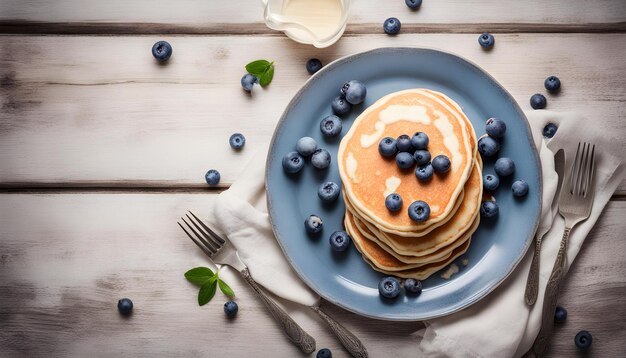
416	50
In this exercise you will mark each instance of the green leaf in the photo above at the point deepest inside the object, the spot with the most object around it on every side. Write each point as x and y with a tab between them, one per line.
258	67
226	289
199	275
267	76
207	291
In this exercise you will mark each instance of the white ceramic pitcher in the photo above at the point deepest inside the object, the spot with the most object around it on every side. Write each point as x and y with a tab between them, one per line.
315	22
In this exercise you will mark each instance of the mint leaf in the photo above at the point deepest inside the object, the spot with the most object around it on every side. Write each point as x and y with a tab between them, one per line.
267	76
258	67
226	289
207	291
199	275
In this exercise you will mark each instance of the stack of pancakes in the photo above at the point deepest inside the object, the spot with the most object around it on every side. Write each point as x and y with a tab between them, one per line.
390	241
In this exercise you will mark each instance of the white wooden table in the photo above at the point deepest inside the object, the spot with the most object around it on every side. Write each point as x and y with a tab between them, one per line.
101	149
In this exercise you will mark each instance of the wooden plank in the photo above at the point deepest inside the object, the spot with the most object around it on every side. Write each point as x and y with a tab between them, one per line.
67	258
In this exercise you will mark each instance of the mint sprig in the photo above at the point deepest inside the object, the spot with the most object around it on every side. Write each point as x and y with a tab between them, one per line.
208	282
263	70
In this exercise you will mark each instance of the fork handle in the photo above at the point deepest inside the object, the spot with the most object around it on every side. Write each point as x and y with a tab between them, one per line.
347	339
549	302
294	332
532	284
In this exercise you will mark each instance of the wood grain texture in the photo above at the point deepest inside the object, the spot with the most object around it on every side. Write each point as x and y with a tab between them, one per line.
70	115
63	268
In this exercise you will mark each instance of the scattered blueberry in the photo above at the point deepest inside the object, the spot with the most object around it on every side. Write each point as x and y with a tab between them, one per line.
339	240
212	177
331	126
486	40
488	147
320	158
328	191
393	202
125	306
340	106
552	83
420	140
306	146
538	101
389	287
421	157
495	127
583	339
549	130
424	172
519	188
419	211
413	286
403	143
313	65
324	353
354	91
413	4
560	314
313	224
237	141
489	209
504	167
392	26
491	182
231	308
404	160
162	50
387	147
293	162
248	81
441	163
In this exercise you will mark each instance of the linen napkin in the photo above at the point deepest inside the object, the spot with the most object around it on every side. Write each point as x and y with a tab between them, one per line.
501	324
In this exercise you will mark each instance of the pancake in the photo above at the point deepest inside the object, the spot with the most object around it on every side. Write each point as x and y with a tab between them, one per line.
368	177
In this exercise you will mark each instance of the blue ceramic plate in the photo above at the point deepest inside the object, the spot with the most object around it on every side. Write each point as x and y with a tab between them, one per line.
344	278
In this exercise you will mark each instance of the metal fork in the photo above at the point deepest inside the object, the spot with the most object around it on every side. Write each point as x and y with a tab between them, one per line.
575	202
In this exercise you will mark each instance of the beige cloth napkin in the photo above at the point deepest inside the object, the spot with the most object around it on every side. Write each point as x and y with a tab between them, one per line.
501	324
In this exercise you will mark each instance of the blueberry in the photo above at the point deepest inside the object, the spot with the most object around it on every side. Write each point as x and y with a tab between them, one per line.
552	83
560	314
520	188
403	143
320	158
313	224
504	167
392	26
421	157
420	140
488	147
491	182
441	163
404	160
389	287
489	209
424	172
538	101
393	202
387	147
324	353
248	81
231	308
125	306
306	146
495	127
313	65
328	191
419	211
583	339
330	126
413	4
212	177
237	141
339	240
162	50
550	130
486	40
293	162
413	286
354	91
340	106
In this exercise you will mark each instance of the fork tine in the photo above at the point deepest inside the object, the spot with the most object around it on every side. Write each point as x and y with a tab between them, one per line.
204	249
590	172
583	169
574	172
207	228
202	236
